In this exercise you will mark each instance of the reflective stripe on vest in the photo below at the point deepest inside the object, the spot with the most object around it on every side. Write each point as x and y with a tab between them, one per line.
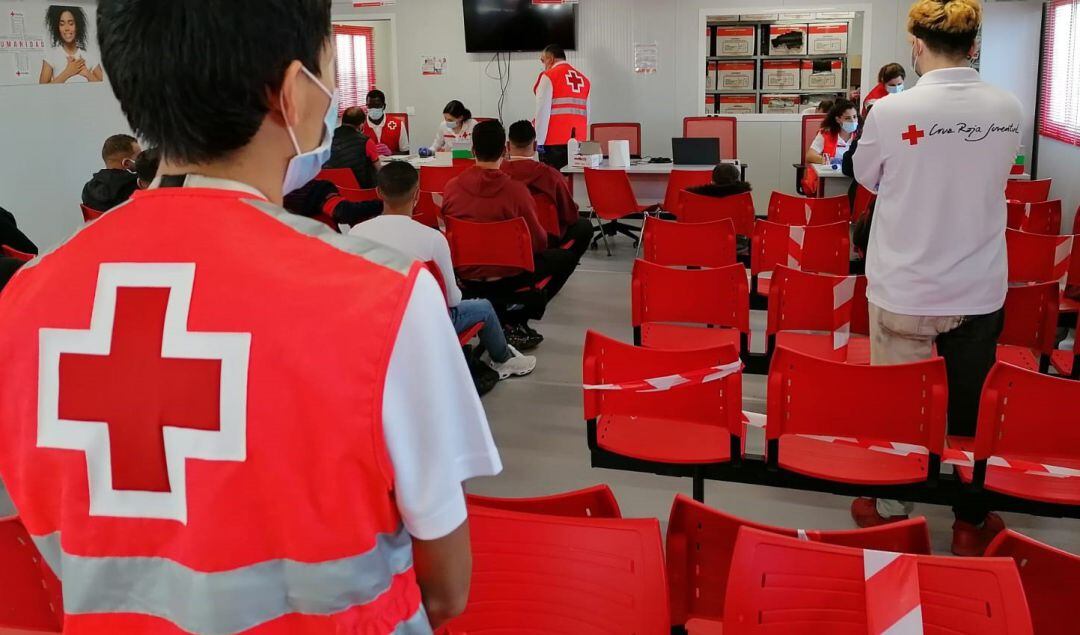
569	106
225	602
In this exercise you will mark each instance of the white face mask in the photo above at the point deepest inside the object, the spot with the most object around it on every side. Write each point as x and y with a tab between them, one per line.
892	90
305	166
915	60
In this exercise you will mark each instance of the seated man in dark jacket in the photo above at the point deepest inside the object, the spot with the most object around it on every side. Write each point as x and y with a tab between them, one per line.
323	198
11	236
351	149
117	182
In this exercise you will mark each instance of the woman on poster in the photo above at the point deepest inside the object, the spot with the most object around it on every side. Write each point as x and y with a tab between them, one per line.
68	59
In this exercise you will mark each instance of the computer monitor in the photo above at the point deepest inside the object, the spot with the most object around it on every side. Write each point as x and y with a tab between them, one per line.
695	151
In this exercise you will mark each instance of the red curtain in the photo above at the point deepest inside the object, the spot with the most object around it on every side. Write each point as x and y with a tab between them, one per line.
355	63
1059	77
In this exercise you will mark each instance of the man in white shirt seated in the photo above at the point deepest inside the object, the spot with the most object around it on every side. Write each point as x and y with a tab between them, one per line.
399	189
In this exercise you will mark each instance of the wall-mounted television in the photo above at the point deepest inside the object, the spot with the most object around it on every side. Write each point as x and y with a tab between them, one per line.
518	25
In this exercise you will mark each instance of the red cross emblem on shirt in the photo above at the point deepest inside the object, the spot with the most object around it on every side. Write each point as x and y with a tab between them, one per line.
139	394
575	81
913	135
391	125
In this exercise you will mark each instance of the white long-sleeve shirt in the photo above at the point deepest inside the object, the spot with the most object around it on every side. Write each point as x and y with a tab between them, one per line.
445	136
544	92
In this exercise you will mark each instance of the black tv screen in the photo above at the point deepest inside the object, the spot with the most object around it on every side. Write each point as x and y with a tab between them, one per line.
518	25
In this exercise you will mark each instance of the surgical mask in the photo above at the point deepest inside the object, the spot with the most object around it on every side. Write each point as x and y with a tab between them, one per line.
850	126
305	166
915	61
892	90
376	114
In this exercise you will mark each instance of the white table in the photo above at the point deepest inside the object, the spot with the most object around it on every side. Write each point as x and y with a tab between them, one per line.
833	182
649	180
416	161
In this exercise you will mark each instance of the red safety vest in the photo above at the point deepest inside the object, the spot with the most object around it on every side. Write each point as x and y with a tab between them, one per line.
393	125
569	102
831	140
187	435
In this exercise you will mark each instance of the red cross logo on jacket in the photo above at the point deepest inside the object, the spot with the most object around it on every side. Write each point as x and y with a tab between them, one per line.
140	394
575	80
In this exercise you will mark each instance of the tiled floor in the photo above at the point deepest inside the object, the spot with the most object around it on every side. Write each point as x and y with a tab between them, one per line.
538	426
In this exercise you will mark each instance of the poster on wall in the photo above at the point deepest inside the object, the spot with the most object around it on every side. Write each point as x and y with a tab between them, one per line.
48	43
432	65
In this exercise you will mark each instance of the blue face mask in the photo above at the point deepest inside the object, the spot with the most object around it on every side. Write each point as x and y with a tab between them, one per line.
305	166
892	90
376	114
850	126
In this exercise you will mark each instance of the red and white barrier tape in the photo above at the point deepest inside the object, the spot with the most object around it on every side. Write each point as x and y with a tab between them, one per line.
796	239
1062	256
843	303
893	602
680	380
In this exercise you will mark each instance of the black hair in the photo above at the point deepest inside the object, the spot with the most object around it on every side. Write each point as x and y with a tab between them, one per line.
375	93
955	44
116	145
195	77
354	117
52	23
146	164
832	120
522	134
489	141
397	182
825	104
457	110
890	72
726	174
555	51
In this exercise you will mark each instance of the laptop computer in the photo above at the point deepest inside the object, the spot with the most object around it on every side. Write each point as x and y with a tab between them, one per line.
695	151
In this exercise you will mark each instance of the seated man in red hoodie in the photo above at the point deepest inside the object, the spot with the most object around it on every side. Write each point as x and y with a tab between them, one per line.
545	182
485	193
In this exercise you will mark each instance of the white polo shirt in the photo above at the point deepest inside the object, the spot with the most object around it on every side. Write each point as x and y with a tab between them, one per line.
939	156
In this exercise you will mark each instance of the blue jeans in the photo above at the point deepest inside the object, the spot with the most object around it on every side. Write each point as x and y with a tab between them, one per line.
472	312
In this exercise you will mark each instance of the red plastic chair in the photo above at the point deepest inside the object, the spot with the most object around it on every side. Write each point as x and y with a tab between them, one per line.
1036	218
552	574
697	208
612	198
794	586
1031	317
692	426
1028	191
433	178
812	396
809	312
667	303
16	254
675	244
811	125
343	178
825	249
428	209
358	195
1050	577
399	116
548	214
701	543
679	181
602	133
30	597
501	244
786	209
1028	416
1033	257
863	199
90	214
593	502
1066	363
726	129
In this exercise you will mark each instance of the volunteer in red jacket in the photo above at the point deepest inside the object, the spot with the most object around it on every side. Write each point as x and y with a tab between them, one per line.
219	417
836	135
563	106
890	82
390	132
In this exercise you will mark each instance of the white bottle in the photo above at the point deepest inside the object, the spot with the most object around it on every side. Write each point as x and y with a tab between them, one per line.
573	147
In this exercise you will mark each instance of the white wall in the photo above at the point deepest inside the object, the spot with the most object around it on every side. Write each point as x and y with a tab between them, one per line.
1010	54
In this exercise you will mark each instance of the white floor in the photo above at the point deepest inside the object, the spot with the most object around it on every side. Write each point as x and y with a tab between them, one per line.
538	426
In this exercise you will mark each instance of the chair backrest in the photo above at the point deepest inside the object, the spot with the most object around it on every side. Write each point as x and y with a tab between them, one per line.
679	181
602	133
1037	257
787	209
1031	316
697	208
608	361
1050	577
592	502
860	308
823	248
358	195
805	301
808	395
1025	413
553	574
1036	218
433	178
675	244
701	542
504	243
719	297
811	126
610	193
30	598
726	129
547	213
341	177
483	119
795	586
1028	191
863	199
428	209
11	252
89	214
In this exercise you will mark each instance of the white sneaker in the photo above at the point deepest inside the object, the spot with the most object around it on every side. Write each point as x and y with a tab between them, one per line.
517	366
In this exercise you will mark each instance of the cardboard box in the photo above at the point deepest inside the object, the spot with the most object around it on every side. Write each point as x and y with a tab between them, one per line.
827	39
780	104
710	75
835	15
735	76
735	41
736	104
794	16
824	74
811	102
758	17
792	39
710	104
709	42
780	74
587	160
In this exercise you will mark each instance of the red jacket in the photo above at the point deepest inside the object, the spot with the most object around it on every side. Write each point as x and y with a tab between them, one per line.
485	196
541	178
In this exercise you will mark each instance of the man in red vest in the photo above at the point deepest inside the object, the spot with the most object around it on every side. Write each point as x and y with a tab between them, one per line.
219	417
563	106
390	132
